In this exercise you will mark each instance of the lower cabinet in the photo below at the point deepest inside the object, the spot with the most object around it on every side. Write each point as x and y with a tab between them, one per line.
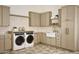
36	38
53	41
41	37
58	42
5	42
8	41
1	45
58	39
50	41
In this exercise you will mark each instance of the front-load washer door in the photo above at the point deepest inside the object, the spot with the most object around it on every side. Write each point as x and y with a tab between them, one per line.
29	39
19	40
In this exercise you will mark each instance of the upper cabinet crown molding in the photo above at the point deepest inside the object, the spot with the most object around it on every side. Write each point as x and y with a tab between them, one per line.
4	16
39	19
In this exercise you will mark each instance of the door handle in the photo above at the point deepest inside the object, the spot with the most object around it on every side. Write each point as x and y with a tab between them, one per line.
67	31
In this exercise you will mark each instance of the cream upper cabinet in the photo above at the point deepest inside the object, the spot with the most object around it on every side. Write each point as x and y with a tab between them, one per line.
4	16
39	19
34	19
45	19
0	16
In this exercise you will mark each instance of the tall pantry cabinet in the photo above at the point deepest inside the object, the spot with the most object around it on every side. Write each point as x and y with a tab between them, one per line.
4	16
70	27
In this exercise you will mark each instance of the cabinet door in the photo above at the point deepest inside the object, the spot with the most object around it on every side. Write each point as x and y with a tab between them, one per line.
58	40
63	14
63	27
48	41
70	13
7	44
0	15
35	38
45	19
70	27
70	36
1	44
34	19
43	37
6	14
52	41
64	36
59	13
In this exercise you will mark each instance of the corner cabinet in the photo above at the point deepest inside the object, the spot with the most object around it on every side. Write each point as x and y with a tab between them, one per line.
39	19
34	19
46	19
4	16
70	27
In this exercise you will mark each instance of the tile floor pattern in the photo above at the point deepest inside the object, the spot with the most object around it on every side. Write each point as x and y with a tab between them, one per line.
41	49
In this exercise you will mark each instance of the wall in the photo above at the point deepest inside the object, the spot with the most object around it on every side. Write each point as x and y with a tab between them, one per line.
23	22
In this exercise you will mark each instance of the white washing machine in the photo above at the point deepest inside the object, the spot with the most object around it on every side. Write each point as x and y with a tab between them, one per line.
29	39
18	40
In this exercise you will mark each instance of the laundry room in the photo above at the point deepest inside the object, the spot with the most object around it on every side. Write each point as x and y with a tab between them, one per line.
39	29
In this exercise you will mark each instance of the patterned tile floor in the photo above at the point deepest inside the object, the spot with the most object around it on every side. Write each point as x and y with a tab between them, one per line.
41	49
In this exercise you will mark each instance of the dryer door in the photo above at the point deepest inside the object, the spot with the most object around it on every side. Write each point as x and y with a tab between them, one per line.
30	39
19	40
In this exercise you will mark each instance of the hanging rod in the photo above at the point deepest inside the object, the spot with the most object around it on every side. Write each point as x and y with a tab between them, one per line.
19	15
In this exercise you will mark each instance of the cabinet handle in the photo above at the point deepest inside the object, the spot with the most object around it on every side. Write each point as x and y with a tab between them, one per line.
67	31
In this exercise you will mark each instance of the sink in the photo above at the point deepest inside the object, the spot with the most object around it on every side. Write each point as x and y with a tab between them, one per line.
50	34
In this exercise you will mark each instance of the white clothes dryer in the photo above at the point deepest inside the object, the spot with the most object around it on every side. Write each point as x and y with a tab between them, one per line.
18	40
29	39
